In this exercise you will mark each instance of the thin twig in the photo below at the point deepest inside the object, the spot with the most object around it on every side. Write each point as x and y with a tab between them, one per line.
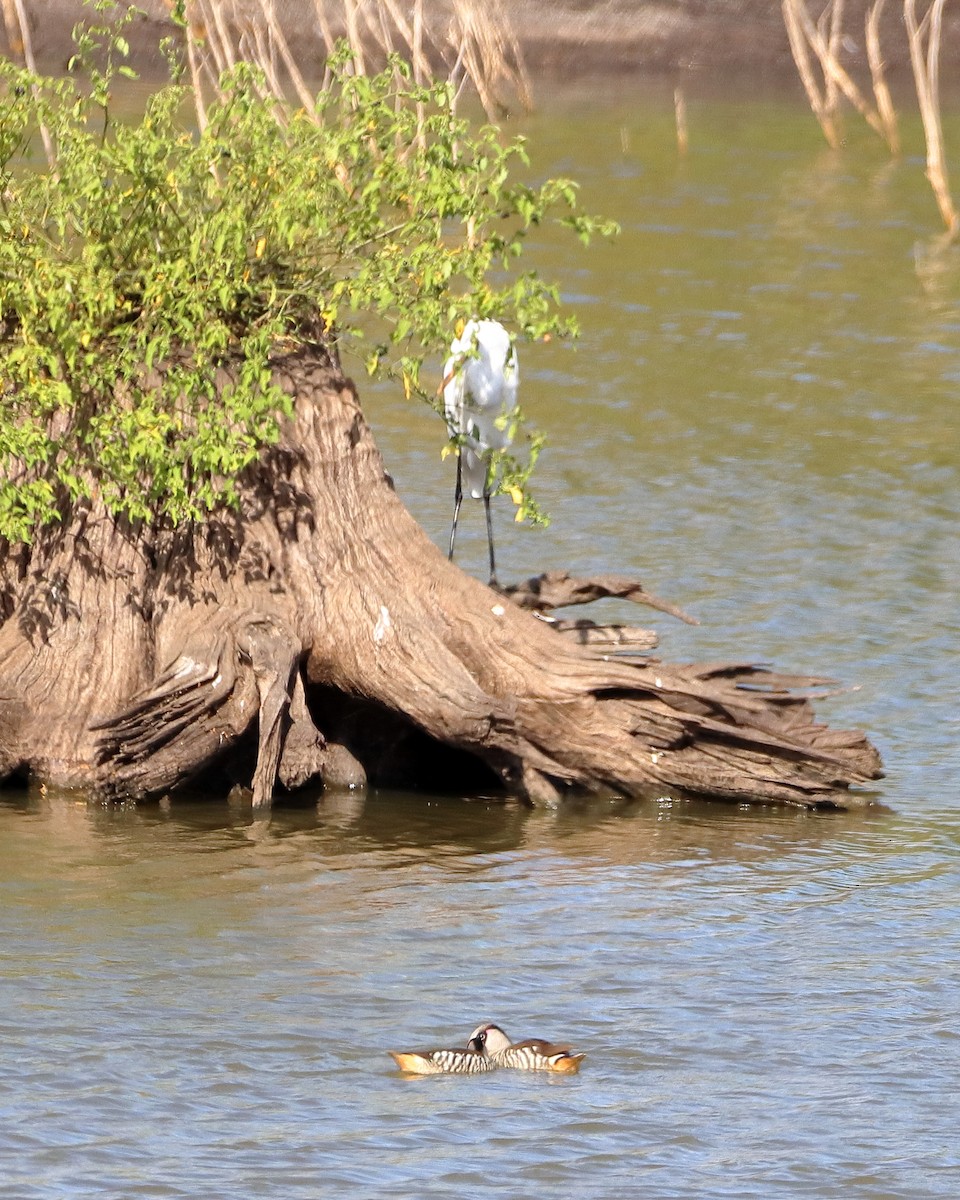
306	96
472	58
193	59
926	74
326	33
514	65
353	36
31	64
831	43
680	112
799	47
421	71
219	37
12	23
835	74
477	43
885	106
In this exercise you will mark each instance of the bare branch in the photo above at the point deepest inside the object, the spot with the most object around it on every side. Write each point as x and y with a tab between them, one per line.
924	37
28	58
461	39
793	13
680	112
885	108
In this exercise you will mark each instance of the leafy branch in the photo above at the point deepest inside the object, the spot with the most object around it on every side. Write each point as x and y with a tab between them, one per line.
151	261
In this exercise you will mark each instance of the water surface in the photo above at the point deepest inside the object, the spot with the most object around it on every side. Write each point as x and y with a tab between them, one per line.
760	421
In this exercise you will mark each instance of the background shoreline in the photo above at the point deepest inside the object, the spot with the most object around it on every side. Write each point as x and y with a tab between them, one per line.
745	39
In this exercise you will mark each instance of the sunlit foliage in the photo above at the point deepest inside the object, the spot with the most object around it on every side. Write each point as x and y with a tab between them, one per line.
145	255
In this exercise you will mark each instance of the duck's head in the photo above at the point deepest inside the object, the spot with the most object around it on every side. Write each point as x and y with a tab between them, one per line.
488	1039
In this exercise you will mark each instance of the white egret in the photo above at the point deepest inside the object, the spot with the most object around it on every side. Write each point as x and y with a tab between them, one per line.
480	380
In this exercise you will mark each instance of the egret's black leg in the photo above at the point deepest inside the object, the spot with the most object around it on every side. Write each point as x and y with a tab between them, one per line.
457	501
493	565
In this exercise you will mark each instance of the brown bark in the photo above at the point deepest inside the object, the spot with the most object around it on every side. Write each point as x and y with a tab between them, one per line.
320	635
560	589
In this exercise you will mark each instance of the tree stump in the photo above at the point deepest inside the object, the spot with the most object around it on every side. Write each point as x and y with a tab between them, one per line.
318	634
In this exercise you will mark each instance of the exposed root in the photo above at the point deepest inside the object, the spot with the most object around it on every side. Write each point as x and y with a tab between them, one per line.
560	589
324	606
273	654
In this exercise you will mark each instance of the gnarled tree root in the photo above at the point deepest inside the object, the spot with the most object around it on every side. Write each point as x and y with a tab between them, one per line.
318	635
559	589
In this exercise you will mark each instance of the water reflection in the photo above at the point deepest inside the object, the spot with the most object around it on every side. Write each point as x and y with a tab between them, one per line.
400	828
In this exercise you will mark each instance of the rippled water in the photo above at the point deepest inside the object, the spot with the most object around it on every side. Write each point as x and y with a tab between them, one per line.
201	1006
760	421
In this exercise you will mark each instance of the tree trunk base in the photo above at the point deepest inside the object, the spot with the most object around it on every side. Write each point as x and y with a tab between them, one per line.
319	636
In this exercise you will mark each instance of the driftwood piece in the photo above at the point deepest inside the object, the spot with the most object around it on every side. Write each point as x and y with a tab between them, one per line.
560	589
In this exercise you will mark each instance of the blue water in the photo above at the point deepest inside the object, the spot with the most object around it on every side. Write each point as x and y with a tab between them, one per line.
202	1005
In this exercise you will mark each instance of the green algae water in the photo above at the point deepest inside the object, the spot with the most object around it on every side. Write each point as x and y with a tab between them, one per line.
760	422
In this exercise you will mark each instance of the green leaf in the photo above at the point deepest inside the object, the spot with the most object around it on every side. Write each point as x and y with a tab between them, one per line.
152	255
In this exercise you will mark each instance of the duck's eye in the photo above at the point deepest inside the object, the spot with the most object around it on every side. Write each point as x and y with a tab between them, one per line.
482	1036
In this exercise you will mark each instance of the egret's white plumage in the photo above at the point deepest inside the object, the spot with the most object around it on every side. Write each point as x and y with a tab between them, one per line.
481	378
